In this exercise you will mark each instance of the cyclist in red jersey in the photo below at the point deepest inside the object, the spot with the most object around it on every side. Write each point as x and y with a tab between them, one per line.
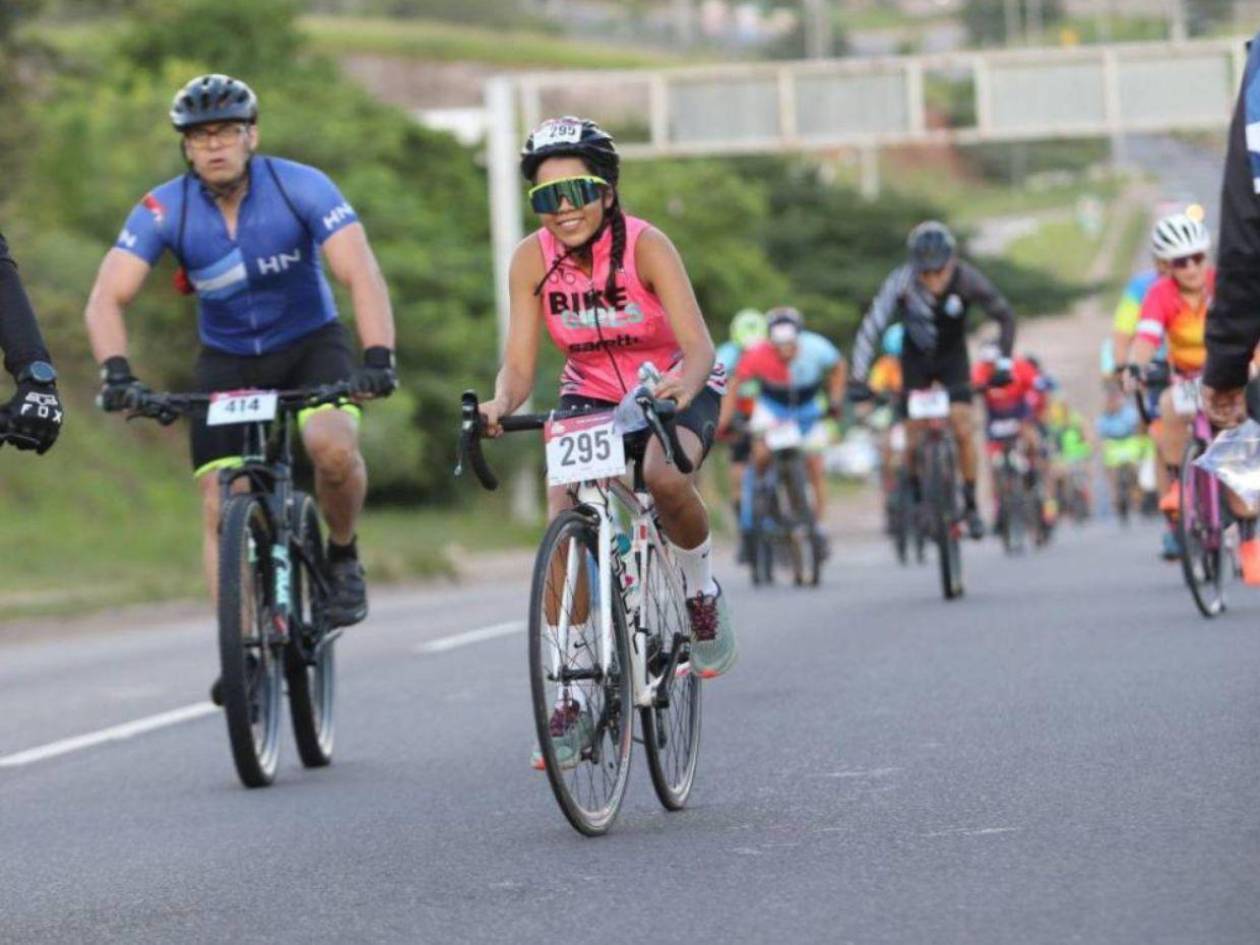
1175	310
1010	406
613	293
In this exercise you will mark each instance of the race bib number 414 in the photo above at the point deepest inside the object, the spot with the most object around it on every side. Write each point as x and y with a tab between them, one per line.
583	448
241	406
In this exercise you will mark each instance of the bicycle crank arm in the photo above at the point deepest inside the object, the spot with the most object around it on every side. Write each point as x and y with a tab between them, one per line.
326	640
660	694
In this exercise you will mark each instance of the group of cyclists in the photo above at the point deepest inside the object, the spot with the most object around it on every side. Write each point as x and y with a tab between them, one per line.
253	236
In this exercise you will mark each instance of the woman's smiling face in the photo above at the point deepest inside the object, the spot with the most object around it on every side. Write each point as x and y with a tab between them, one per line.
572	226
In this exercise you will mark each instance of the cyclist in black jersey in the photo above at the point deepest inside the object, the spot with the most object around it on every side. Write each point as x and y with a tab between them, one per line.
931	294
34	412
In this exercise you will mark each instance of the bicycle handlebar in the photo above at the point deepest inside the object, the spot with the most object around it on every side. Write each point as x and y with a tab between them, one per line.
166	407
661	416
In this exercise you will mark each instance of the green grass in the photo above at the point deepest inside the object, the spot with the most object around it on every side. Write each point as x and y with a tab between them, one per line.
1060	247
446	42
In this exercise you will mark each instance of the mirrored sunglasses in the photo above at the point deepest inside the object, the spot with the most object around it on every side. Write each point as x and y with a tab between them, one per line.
579	191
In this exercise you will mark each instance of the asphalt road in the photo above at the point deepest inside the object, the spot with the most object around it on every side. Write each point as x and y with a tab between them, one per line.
1068	754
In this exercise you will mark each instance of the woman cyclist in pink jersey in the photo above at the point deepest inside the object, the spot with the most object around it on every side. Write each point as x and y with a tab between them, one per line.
613	294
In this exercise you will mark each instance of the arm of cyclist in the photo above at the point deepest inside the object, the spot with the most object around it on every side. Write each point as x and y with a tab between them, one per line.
878	317
354	265
837	384
515	380
119	279
35	409
664	274
975	285
1232	327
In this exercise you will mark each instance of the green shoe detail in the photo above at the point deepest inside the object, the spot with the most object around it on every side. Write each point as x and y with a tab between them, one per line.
572	731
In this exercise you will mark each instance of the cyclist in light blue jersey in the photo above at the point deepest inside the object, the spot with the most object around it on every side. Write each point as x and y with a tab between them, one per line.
247	231
801	377
748	328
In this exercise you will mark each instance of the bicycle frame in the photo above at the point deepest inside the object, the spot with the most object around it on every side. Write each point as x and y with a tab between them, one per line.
267	465
597	499
1201	429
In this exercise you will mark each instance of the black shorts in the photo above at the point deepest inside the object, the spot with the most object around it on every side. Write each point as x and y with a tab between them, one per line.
951	368
741	448
700	417
322	357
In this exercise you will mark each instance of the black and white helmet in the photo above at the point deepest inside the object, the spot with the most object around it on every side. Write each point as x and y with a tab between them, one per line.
571	137
931	246
1179	235
211	98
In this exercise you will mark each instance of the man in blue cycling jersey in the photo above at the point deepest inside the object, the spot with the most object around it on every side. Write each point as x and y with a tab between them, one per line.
801	377
246	230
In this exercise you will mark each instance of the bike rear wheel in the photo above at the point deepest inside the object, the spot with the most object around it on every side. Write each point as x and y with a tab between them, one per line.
803	535
309	660
671	727
587	757
251	665
1202	551
1012	517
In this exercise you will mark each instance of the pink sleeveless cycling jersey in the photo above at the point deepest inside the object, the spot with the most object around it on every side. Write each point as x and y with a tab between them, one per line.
604	343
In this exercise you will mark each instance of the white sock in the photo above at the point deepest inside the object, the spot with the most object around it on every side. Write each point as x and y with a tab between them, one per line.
696	567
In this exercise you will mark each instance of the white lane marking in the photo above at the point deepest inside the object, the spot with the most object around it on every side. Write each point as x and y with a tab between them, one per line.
862	773
971	832
114	733
444	644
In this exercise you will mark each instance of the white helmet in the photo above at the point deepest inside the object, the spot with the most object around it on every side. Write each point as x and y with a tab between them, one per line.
1179	235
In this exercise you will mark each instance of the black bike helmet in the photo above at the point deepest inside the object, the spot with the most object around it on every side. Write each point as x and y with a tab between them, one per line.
213	97
931	246
785	314
571	137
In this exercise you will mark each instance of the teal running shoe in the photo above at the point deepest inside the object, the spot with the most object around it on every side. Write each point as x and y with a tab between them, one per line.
713	647
571	732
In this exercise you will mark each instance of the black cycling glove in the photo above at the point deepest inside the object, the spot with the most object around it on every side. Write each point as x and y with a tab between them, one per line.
119	387
859	391
35	415
377	377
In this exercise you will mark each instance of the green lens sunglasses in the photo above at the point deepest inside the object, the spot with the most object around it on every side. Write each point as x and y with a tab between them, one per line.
579	191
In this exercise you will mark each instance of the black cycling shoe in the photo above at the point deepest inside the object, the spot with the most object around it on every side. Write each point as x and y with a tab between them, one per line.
216	691
975	524
347	604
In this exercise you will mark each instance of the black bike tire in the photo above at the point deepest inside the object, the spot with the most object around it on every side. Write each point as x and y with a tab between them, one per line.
313	718
1192	552
571	524
673	795
903	510
806	565
242	516
942	490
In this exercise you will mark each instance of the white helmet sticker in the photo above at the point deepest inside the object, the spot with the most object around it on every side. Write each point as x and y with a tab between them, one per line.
557	131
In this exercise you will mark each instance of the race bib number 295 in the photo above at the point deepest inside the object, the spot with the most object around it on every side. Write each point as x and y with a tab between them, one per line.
583	448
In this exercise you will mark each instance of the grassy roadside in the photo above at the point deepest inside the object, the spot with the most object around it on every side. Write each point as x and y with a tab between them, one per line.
445	42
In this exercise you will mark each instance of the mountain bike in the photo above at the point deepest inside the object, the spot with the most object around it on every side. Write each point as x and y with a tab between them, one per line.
784	525
608	626
1206	562
1018	506
935	459
901	518
273	579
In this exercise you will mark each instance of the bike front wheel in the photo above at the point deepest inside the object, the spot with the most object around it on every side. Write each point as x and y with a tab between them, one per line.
941	493
671	725
579	677
309	660
250	662
1198	526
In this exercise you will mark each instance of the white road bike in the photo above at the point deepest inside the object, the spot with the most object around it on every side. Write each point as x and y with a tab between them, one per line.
608	625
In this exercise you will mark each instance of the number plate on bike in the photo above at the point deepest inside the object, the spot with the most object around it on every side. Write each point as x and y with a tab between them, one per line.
583	448
1185	398
783	436
241	406
928	404
1004	428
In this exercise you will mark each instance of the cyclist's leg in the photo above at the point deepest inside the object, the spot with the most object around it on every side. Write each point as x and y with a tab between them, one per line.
685	522
331	438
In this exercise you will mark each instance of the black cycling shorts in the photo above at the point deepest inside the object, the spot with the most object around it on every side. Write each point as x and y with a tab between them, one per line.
951	368
700	417
322	357
741	448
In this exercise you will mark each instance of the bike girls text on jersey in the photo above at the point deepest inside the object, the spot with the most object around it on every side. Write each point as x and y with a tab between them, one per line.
263	289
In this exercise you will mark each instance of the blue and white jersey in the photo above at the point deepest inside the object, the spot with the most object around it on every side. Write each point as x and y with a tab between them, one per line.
265	288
